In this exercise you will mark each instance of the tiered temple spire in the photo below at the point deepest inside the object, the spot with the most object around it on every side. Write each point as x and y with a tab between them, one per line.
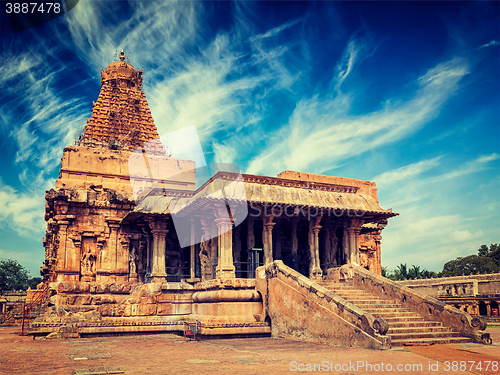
121	118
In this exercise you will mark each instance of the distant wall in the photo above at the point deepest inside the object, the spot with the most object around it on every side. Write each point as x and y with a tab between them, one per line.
457	286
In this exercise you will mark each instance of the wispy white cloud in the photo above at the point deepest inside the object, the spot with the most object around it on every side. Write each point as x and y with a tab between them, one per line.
469	167
21	211
324	124
408	171
442	213
490	44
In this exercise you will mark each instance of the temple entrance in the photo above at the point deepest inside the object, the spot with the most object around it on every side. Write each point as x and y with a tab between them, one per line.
482	308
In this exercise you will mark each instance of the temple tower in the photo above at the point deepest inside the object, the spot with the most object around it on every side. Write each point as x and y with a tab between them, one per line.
121	119
118	155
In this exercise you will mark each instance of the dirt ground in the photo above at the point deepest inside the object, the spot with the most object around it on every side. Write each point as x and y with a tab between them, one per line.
172	354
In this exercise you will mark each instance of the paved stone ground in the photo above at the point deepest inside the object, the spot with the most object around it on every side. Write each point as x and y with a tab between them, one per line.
171	354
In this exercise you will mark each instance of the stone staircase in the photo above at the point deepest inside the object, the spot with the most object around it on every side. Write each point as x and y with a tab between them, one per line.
405	326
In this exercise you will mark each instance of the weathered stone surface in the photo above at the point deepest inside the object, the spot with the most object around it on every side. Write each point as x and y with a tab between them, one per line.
175	297
146	309
120	288
174	308
112	310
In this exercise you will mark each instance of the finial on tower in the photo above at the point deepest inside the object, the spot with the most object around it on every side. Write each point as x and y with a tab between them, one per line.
122	56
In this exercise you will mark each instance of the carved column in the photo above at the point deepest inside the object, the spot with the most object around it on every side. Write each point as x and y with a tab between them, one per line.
250	233
208	253
316	230
314	266
277	241
250	243
267	237
353	240
237	249
126	249
142	266
295	243
192	259
159	232
148	252
378	259
112	244
68	268
225	267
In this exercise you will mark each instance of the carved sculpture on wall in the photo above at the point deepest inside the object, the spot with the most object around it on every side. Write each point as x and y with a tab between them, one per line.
88	264
205	262
363	260
133	261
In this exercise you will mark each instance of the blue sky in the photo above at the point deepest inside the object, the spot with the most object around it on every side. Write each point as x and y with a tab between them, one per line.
406	94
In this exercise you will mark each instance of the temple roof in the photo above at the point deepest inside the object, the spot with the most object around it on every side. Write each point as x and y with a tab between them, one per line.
121	118
234	189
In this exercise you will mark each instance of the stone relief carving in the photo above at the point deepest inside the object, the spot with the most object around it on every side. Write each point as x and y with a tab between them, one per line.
88	262
133	261
205	263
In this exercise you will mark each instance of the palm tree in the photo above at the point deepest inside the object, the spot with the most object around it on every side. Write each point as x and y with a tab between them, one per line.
401	272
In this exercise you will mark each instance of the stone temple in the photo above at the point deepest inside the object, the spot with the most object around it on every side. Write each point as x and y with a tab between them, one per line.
133	246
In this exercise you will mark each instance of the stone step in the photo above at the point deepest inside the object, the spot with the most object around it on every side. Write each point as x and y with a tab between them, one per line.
405	326
411	324
376	302
383	310
403	319
422	335
412	330
353	294
365	306
407	314
437	340
360	299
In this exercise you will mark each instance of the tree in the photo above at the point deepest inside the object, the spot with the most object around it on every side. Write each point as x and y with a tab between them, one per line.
13	276
487	261
34	281
402	272
385	273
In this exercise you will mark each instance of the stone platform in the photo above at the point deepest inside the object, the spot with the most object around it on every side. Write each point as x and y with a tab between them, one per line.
222	307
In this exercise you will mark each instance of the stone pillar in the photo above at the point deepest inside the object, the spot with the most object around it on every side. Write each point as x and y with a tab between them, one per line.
316	230
250	233
159	232
277	241
331	245
112	244
225	267
68	258
314	264
214	254
267	237
488	309
250	243
353	240
192	258
378	255
295	243
237	249
208	248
